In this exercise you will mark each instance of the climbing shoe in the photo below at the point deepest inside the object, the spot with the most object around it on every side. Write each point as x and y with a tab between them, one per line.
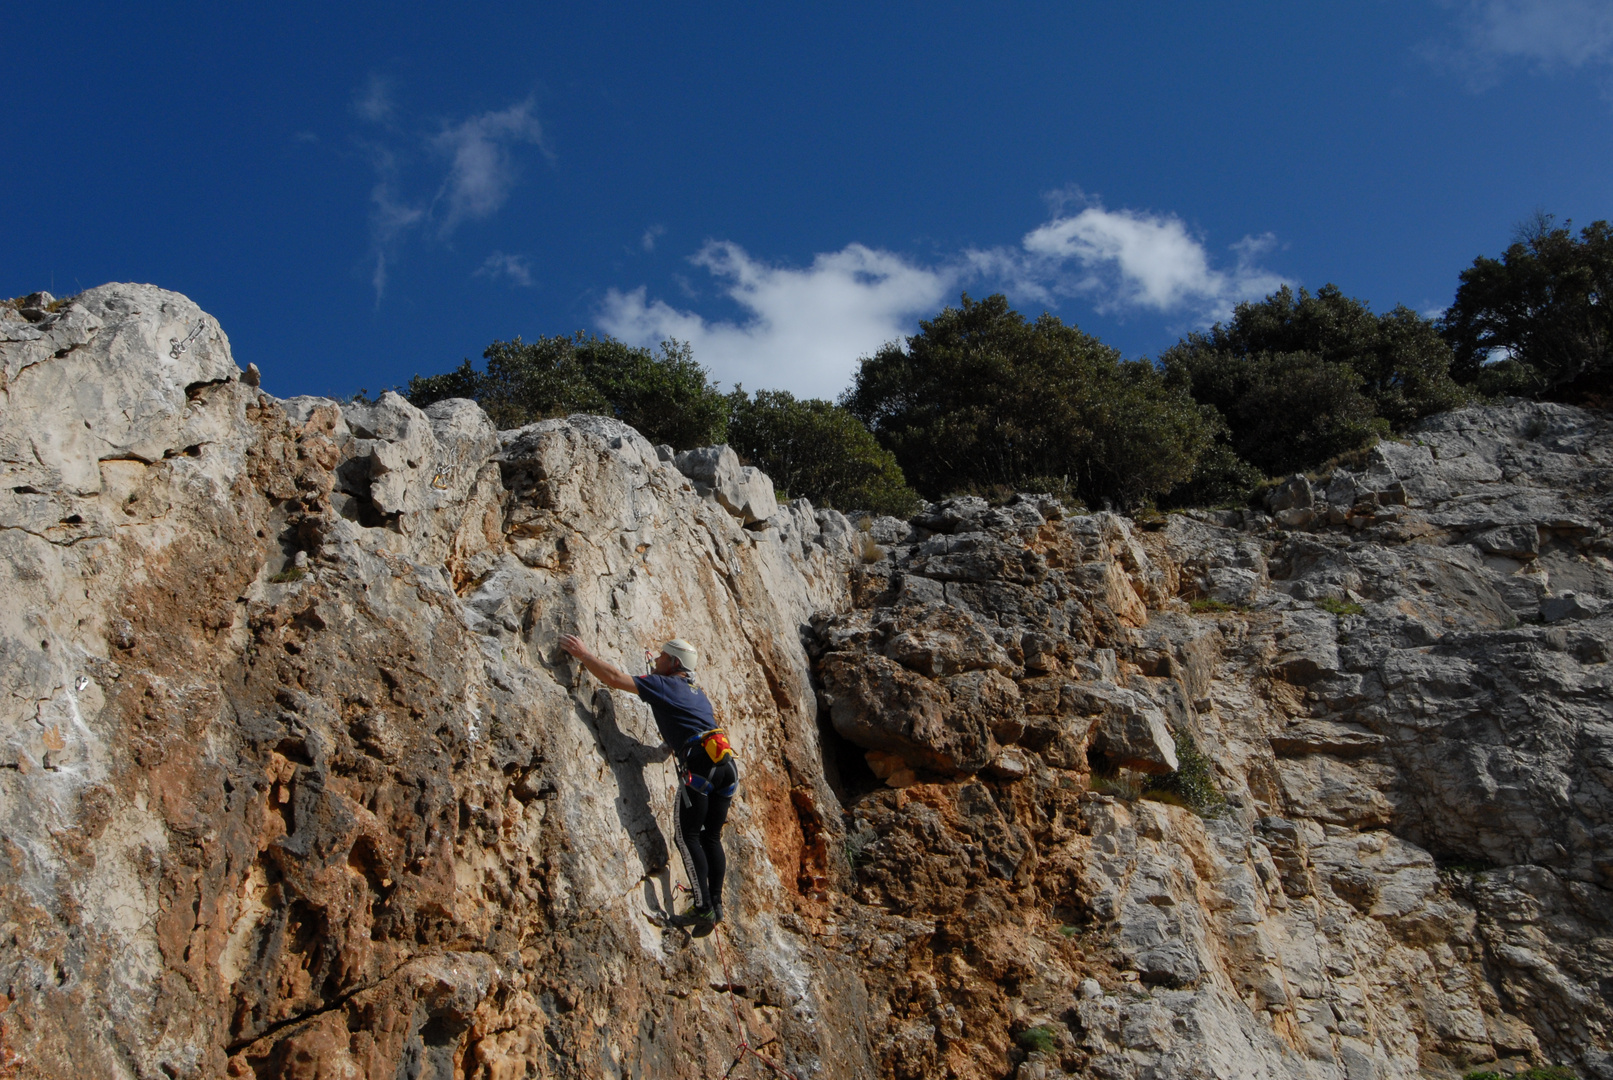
698	917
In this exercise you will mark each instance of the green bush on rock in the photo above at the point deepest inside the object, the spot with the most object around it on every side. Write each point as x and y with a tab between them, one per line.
981	398
817	449
664	394
1303	378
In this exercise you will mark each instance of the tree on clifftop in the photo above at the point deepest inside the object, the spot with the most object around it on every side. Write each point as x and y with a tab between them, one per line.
1538	322
1300	379
980	398
817	449
665	394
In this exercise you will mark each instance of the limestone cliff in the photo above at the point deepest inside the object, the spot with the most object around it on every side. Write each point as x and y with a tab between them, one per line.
295	782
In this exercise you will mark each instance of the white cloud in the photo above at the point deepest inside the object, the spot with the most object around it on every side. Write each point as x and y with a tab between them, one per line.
1549	33
516	268
651	235
1124	260
803	329
482	170
390	218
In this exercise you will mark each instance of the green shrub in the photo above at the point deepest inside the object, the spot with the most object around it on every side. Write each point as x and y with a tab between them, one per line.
1538	1072
1301	379
1220	479
664	394
1192	784
1536	322
1205	605
817	449
1038	1039
288	575
982	398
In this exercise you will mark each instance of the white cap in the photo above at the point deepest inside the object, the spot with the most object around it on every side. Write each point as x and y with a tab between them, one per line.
683	652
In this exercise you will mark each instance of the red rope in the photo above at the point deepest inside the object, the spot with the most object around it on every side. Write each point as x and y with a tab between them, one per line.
744	1037
744	1046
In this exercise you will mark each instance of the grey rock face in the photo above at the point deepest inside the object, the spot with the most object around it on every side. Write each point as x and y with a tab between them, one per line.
296	772
743	491
296	780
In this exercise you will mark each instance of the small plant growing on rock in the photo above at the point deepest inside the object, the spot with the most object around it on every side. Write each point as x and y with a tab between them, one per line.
1122	786
1206	605
870	551
856	846
288	575
1538	1072
1037	1040
1192	785
1340	607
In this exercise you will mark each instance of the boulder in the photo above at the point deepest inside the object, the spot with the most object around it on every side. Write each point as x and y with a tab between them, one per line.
1570	605
880	705
742	490
1514	541
1132	731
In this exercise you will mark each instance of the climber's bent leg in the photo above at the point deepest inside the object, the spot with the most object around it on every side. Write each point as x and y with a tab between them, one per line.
690	818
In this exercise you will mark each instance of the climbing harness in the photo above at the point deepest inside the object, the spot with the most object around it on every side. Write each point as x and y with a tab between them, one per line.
715	743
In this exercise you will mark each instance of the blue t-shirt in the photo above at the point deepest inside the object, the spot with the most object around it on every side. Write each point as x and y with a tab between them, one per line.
681	711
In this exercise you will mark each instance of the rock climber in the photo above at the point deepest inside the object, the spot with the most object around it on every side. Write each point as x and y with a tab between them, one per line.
707	768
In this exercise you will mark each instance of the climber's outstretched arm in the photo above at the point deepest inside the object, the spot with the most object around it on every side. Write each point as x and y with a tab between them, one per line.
606	672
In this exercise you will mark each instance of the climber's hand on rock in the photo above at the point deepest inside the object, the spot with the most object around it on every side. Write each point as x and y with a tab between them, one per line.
607	673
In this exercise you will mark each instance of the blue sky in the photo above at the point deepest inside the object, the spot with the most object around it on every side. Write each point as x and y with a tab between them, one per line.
362	192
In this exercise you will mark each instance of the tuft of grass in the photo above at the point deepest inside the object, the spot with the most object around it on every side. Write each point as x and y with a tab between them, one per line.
1169	798
1150	518
856	846
1122	786
1069	931
1204	605
1537	1072
1038	1039
1340	607
288	575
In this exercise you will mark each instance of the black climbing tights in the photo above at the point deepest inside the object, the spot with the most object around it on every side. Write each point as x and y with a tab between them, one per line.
699	832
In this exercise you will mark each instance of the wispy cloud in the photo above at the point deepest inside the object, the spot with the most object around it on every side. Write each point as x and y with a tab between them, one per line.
516	269
374	102
803	329
1548	35
651	235
390	218
432	184
482	169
